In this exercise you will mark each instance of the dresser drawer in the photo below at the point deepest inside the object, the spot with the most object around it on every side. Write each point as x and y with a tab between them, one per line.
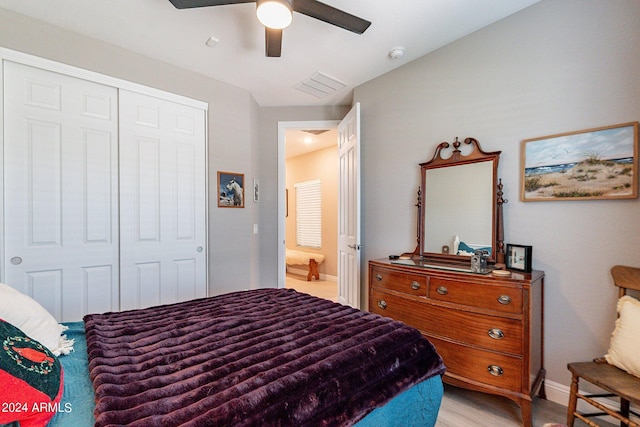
489	332
412	284
489	368
499	298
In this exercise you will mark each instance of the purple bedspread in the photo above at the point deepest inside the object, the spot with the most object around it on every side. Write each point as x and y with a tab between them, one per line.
267	357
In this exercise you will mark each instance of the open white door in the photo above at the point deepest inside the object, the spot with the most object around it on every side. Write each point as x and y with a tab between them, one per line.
349	209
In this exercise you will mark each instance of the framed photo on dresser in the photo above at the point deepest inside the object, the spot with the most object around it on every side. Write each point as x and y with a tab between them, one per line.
519	257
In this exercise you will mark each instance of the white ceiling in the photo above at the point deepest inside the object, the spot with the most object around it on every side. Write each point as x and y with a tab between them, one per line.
299	142
156	29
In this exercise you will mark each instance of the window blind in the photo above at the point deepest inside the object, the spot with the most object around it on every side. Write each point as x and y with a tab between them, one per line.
308	214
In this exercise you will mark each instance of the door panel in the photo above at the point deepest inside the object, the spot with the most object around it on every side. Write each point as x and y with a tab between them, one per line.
163	201
61	210
42	184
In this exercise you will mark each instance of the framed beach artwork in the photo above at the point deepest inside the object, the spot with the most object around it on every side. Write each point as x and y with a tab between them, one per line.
600	163
230	190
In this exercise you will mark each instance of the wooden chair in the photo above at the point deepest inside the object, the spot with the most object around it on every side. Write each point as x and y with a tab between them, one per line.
613	380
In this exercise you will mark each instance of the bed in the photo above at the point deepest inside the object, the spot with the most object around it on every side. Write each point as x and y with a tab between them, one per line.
261	357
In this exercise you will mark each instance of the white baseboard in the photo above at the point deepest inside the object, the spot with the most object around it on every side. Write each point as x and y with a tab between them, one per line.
557	392
304	272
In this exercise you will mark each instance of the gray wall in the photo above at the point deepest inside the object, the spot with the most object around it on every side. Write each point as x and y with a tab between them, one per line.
555	67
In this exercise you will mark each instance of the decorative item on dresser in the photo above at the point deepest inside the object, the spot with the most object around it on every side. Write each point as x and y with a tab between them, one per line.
519	257
485	322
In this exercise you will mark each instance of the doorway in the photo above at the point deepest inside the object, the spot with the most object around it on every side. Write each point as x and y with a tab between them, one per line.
308	151
348	188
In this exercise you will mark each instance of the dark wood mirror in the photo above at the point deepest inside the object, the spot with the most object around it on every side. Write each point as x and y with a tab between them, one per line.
460	204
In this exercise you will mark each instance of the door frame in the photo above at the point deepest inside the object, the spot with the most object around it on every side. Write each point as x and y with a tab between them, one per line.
282	130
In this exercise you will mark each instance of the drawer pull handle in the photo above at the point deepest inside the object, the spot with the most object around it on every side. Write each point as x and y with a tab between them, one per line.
415	285
442	290
495	370
382	304
504	299
496	333
378	277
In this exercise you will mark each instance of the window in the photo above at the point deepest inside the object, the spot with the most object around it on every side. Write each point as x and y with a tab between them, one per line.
308	214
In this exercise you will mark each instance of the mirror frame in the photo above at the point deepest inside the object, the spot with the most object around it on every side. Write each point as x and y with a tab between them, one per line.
457	158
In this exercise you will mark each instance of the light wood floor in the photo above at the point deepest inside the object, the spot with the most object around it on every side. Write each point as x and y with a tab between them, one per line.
461	407
319	288
468	408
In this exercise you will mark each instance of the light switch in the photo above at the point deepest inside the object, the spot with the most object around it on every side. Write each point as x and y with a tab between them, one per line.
255	228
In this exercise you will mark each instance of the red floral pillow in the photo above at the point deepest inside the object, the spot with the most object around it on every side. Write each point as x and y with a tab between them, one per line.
31	379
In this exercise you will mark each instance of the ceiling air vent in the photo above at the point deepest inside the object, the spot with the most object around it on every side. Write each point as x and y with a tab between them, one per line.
319	85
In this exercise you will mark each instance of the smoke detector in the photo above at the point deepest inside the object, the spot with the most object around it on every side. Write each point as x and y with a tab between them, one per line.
212	41
396	53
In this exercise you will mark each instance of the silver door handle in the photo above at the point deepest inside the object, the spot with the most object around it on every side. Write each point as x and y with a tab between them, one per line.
355	247
16	260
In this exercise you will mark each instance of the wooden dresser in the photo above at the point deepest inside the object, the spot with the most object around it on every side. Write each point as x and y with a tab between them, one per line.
488	329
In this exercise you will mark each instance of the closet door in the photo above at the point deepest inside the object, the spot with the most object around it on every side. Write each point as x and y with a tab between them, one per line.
60	189
163	201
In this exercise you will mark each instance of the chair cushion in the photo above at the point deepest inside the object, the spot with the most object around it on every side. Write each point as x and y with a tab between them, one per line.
624	349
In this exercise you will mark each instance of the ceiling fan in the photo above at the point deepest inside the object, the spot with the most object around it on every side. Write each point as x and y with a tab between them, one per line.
277	14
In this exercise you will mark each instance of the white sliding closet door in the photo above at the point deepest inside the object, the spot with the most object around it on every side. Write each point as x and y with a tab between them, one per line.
60	189
163	201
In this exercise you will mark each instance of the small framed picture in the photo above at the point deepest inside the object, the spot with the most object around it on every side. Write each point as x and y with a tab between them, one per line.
519	257
256	190
230	190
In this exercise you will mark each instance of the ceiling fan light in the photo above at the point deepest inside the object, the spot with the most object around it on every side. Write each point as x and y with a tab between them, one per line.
276	14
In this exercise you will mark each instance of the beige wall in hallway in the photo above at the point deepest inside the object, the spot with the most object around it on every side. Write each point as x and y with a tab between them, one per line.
322	165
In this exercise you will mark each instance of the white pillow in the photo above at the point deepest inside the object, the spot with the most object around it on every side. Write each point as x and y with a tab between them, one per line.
624	349
26	314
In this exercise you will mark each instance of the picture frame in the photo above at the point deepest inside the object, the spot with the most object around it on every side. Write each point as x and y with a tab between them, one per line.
519	257
231	190
591	164
256	190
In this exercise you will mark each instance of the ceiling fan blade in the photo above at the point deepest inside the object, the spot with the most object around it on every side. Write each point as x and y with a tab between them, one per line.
273	42
331	15
187	4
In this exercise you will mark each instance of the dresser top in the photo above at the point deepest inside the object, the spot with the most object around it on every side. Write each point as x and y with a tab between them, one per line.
450	269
